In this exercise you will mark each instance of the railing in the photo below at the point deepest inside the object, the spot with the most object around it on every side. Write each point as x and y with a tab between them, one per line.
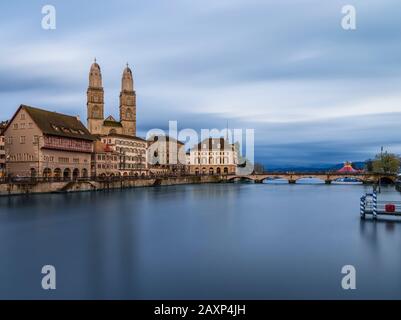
322	173
34	180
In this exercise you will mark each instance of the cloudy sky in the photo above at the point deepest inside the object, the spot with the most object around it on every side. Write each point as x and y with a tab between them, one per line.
313	92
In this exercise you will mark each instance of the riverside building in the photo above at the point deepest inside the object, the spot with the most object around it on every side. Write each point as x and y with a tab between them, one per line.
47	144
166	155
2	149
128	154
213	156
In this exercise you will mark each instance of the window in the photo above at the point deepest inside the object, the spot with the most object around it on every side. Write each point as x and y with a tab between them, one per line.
30	125
35	139
15	126
22	125
63	160
22	139
22	117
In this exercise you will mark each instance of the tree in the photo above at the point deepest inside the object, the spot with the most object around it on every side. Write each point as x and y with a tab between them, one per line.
369	165
386	163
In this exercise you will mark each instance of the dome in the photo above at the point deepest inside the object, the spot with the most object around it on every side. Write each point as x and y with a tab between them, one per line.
127	71
95	67
127	80
95	76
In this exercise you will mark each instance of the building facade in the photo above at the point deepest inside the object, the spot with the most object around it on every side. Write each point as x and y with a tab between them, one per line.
105	161
166	155
39	143
213	156
99	125
130	152
3	125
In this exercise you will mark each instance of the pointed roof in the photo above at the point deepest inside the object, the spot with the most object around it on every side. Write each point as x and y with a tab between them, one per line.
111	122
56	124
127	81
127	70
347	168
95	66
110	118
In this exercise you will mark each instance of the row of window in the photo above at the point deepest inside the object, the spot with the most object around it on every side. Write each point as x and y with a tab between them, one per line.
211	153
140	151
211	161
119	166
67	130
107	166
102	157
21	157
29	157
131	143
22	140
22	126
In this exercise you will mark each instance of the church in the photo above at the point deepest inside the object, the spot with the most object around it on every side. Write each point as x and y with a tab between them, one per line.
97	123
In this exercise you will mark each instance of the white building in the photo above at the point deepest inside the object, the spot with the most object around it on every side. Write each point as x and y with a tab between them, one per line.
213	156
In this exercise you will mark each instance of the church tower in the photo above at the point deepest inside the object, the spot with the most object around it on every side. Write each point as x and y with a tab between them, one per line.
95	100
128	103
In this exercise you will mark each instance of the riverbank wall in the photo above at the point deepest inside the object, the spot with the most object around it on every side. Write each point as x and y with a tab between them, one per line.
25	188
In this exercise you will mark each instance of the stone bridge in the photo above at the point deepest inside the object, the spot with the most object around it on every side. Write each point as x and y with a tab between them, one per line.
327	177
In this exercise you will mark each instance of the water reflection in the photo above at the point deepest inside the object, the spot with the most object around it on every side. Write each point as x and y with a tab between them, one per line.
235	241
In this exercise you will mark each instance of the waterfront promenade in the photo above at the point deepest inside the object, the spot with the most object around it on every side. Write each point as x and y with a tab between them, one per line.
28	185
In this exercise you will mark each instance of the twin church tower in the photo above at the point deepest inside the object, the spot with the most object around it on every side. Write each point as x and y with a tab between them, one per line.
97	124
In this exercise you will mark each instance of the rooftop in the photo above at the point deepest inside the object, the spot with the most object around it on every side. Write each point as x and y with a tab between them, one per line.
57	124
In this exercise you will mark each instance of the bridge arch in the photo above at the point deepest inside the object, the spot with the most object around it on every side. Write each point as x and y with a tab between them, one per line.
386	180
308	180
240	178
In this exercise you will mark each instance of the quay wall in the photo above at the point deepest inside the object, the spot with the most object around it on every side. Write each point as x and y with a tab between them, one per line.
7	189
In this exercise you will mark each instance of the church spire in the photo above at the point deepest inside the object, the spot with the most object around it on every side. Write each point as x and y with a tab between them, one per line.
95	100
95	76
128	103
127	83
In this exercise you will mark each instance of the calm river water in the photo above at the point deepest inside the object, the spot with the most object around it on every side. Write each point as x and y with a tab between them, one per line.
218	241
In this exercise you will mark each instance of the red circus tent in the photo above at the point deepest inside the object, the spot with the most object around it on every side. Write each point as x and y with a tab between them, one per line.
347	168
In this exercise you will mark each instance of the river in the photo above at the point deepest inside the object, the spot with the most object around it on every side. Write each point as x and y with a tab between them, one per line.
216	241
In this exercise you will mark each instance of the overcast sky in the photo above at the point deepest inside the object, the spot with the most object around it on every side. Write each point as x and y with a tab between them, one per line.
313	92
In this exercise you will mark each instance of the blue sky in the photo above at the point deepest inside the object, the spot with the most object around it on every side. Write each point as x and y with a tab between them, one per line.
313	92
